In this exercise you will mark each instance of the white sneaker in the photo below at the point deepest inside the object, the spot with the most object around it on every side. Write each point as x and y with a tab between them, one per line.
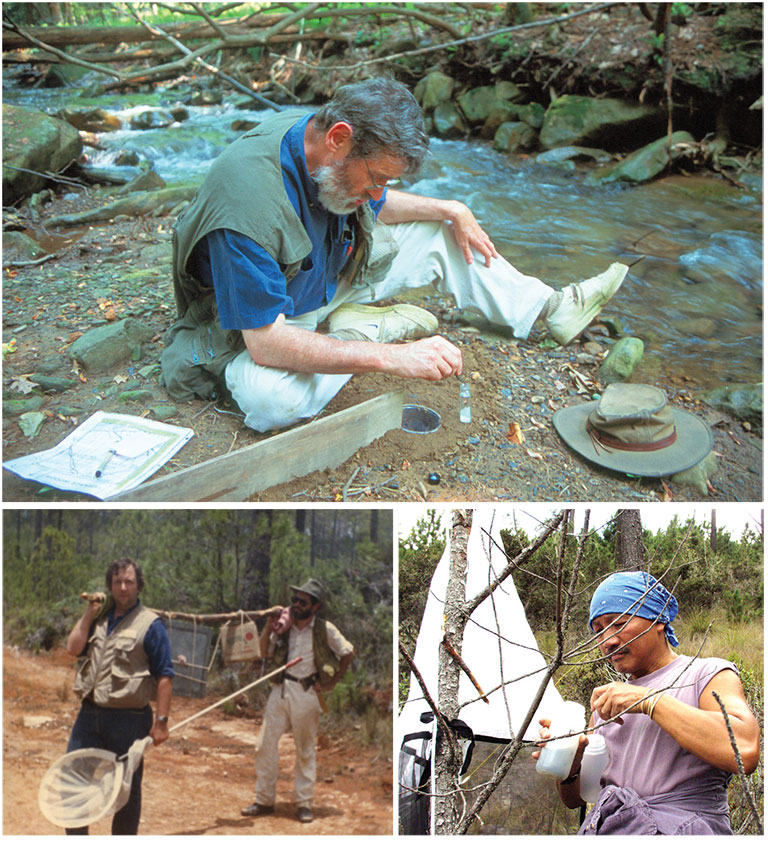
583	301
384	324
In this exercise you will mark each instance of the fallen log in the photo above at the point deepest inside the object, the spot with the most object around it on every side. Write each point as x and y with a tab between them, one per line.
137	204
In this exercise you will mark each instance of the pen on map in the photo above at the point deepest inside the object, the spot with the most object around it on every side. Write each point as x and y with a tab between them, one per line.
104	463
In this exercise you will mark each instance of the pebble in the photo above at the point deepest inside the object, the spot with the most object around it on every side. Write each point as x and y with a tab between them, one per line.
135	395
434	478
164	412
473	439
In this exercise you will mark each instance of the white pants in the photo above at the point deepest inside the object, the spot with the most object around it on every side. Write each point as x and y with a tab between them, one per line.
289	708
272	398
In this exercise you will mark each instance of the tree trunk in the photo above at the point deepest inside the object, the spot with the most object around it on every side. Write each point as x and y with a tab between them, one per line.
630	552
301	520
713	531
374	525
447	805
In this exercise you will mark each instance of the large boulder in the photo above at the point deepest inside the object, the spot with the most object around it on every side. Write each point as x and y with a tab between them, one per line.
645	163
514	137
573	120
447	121
478	103
34	141
433	89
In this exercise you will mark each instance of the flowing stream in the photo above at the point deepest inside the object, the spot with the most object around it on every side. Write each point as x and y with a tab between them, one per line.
695	298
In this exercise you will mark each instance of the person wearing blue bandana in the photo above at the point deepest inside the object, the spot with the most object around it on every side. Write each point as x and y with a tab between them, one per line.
670	754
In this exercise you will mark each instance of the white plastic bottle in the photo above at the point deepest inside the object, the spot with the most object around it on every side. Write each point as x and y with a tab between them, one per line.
556	757
593	764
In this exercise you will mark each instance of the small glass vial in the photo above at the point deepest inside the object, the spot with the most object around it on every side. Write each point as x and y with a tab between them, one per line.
465	403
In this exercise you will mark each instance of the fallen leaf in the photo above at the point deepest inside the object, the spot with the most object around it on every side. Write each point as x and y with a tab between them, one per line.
30	423
515	434
109	314
551	404
22	384
120	378
534	454
406	464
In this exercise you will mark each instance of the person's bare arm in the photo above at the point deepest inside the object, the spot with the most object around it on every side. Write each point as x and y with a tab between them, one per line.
408	207
78	636
700	730
290	348
159	732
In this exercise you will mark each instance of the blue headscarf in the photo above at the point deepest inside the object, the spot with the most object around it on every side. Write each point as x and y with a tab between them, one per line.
636	594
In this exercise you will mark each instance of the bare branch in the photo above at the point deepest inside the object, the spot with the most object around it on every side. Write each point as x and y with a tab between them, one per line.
190	56
458	42
9	24
742	774
439	717
519	559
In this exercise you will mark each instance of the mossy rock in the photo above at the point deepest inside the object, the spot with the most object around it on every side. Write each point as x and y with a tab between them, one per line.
573	120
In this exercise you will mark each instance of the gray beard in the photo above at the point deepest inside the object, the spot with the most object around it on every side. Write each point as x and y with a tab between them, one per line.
332	191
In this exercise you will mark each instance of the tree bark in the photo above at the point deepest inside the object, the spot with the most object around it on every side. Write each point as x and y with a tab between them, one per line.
448	756
629	550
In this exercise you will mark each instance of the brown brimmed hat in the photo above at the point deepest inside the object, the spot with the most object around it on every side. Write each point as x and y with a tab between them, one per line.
312	587
633	430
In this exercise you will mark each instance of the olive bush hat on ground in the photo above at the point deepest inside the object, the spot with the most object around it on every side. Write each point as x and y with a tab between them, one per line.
633	430
312	587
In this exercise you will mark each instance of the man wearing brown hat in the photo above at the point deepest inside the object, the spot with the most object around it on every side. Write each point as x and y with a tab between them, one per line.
296	699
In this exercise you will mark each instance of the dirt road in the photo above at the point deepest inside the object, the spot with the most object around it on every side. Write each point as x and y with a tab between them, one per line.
194	784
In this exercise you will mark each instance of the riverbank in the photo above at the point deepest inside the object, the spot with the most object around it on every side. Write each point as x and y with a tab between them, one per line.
122	269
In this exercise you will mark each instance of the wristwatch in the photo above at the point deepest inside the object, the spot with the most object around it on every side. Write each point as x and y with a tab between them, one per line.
163	719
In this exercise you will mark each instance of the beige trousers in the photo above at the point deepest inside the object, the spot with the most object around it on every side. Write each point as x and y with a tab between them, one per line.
428	254
292	709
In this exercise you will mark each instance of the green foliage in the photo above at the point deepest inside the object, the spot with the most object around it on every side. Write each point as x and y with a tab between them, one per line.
203	561
419	554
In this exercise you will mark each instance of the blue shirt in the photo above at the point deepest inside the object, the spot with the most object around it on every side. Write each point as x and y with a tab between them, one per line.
250	286
157	645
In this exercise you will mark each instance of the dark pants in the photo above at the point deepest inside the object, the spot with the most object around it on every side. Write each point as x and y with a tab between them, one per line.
113	730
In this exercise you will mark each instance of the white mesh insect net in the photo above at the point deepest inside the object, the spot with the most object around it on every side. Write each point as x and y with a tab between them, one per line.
86	785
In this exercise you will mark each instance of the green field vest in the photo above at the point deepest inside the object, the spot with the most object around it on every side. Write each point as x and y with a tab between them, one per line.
116	668
244	192
320	650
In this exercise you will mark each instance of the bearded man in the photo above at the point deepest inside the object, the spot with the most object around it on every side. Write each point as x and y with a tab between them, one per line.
296	223
127	664
294	703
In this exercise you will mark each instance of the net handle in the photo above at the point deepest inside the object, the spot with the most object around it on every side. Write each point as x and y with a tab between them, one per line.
235	694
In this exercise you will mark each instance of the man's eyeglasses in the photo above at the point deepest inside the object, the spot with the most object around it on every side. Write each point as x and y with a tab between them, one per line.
373	185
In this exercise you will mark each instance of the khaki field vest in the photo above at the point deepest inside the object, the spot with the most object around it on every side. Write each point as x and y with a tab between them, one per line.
320	650
116	668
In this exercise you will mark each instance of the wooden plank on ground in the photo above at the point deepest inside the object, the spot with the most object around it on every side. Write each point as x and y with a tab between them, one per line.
325	443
